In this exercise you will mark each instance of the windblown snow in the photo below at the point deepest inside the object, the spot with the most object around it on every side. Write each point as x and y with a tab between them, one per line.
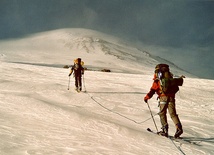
39	115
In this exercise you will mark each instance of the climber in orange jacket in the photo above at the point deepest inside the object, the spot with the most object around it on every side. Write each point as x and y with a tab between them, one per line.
166	98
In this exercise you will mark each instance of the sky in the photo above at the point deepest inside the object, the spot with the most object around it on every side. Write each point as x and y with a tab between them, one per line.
181	31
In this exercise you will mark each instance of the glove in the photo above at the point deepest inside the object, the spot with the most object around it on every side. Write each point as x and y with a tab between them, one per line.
146	99
182	76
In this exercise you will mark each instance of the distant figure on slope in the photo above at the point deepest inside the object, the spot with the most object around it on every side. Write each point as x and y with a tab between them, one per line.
78	70
166	87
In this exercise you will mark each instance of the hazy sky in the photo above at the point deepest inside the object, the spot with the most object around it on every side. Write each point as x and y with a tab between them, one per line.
185	28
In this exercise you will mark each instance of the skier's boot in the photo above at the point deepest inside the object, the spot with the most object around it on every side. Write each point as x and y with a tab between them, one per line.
164	131
179	130
76	88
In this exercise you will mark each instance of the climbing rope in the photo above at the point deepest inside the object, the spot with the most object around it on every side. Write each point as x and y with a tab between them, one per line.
130	119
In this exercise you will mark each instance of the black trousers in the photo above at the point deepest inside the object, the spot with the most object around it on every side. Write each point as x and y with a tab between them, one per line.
78	81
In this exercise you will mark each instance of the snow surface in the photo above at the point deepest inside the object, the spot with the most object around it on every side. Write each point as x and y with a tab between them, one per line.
40	116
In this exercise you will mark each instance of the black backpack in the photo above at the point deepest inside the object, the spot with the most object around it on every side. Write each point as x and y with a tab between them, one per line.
78	68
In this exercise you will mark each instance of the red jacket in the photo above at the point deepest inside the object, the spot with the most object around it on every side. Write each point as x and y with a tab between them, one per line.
156	88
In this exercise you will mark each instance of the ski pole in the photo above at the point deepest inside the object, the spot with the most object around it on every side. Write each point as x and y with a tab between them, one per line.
68	82
152	116
84	82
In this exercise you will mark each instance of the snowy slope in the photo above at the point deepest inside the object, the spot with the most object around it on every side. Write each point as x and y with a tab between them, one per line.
38	115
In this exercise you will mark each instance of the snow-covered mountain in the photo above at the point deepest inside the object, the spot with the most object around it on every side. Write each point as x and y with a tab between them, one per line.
39	115
98	50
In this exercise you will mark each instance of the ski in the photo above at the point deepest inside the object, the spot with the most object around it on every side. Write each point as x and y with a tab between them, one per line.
180	140
80	91
148	129
77	90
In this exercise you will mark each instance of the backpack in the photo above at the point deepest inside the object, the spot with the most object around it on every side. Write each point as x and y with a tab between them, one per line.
169	85
78	67
78	61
